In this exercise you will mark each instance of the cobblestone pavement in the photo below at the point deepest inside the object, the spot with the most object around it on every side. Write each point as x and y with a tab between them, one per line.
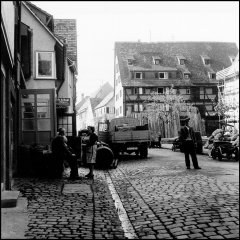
162	201
54	214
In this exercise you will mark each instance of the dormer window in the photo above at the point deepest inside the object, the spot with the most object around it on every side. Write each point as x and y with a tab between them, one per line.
206	60
212	75
181	60
232	58
130	60
138	75
186	75
156	60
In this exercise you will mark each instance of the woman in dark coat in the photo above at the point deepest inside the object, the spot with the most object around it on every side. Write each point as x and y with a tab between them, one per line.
91	151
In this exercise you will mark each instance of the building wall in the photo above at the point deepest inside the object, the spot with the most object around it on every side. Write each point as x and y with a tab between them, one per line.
101	114
66	90
42	41
85	116
118	92
8	15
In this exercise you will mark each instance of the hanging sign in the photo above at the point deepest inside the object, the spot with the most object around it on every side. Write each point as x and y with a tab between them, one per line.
62	102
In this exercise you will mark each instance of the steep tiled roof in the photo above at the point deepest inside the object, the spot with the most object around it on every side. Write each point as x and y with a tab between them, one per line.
95	102
80	104
230	71
102	91
105	100
218	52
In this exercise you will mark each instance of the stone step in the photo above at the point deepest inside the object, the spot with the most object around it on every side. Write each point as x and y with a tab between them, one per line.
9	199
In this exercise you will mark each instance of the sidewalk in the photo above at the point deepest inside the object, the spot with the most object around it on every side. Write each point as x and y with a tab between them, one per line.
62	209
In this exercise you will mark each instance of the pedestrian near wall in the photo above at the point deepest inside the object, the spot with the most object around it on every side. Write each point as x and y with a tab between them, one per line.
188	139
61	151
91	151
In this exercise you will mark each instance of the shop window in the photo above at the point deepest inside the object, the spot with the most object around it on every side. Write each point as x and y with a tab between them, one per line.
37	123
66	122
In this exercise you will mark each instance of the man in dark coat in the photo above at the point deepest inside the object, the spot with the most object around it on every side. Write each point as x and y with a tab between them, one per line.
188	139
61	152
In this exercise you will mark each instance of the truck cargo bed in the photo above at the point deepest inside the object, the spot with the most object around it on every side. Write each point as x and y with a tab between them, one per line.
130	136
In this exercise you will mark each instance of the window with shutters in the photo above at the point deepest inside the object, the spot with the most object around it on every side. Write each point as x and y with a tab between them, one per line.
135	91
135	107
138	75
162	75
212	75
45	65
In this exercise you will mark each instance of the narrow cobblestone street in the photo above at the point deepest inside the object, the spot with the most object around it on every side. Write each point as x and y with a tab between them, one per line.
161	198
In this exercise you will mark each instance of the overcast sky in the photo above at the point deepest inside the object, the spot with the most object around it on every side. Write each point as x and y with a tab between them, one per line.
101	23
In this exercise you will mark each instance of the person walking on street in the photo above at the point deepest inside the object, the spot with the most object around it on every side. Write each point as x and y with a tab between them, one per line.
61	152
91	151
187	137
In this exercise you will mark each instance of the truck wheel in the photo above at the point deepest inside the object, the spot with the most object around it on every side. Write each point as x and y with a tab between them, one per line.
143	152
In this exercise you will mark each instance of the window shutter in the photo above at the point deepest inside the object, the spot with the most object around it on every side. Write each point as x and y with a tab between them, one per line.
169	75
143	75
132	75
156	75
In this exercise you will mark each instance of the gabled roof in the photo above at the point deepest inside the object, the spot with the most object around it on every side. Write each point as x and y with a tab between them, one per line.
102	91
94	102
230	71
80	104
45	27
105	100
143	53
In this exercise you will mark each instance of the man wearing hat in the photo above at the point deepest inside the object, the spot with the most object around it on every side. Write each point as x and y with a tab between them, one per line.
187	137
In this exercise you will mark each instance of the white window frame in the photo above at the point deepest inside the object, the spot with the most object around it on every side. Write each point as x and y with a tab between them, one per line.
53	76
165	75
157	61
140	90
210	75
136	75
